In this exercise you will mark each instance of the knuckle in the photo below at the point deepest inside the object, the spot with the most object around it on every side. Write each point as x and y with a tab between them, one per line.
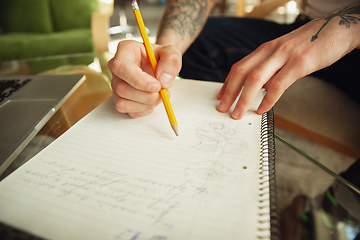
173	56
301	53
284	50
284	47
304	63
119	88
237	68
173	59
115	65
254	76
269	44
302	59
121	105
172	49
123	44
276	86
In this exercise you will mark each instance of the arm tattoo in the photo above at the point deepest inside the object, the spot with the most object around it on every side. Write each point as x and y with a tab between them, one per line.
345	15
184	17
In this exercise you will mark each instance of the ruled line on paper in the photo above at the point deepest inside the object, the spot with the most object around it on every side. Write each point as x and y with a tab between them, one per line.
136	180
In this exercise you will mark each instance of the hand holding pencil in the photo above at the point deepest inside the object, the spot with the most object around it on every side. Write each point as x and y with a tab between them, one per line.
153	62
135	89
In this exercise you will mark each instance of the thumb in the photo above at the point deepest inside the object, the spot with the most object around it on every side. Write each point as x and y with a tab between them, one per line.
168	66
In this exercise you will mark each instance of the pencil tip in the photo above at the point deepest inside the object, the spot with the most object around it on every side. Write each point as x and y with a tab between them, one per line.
176	129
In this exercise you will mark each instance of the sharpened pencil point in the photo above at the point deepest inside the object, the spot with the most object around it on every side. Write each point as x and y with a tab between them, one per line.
176	129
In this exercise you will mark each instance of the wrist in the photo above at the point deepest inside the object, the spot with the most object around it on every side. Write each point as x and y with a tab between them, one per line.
170	37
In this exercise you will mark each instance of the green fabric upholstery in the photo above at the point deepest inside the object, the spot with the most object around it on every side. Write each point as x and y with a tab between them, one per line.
34	29
31	45
25	16
67	15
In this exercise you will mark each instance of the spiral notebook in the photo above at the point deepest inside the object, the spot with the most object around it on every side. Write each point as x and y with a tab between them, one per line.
112	177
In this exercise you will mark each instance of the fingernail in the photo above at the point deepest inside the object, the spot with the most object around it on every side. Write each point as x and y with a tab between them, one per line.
166	79
260	111
221	107
235	114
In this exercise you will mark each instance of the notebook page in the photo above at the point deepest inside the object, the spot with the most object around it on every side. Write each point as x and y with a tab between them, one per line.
112	177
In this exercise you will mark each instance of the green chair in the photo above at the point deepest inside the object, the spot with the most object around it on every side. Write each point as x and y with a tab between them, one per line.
41	29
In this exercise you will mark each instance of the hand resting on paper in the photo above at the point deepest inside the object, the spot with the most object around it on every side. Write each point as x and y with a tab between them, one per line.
135	89
275	65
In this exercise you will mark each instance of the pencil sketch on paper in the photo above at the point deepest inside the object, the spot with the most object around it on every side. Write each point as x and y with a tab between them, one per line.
209	177
220	139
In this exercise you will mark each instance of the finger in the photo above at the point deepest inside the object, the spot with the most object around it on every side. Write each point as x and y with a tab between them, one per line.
168	66
231	74
124	90
229	92
255	81
280	82
223	87
126	65
128	106
238	74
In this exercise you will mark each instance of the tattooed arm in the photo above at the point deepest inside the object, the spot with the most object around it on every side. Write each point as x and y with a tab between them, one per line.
275	65
182	22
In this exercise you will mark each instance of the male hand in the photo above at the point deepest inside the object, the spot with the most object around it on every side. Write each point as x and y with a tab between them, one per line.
275	65
135	88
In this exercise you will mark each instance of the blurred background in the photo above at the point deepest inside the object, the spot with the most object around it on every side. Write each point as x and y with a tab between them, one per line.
123	23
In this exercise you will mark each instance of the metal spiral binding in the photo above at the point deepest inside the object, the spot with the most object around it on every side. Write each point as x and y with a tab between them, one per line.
268	228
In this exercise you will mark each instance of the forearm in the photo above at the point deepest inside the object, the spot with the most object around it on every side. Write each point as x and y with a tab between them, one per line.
182	22
345	20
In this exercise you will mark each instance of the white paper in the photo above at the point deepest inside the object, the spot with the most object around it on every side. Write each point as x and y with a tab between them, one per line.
113	177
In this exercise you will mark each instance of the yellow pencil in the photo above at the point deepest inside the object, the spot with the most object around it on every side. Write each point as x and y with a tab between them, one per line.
153	62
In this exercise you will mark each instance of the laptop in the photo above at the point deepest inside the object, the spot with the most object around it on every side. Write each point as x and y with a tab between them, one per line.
26	105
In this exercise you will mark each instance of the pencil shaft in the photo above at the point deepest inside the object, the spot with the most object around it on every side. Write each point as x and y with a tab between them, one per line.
153	62
146	40
168	107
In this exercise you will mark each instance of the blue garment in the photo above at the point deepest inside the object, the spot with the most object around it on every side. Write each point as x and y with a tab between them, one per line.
226	40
